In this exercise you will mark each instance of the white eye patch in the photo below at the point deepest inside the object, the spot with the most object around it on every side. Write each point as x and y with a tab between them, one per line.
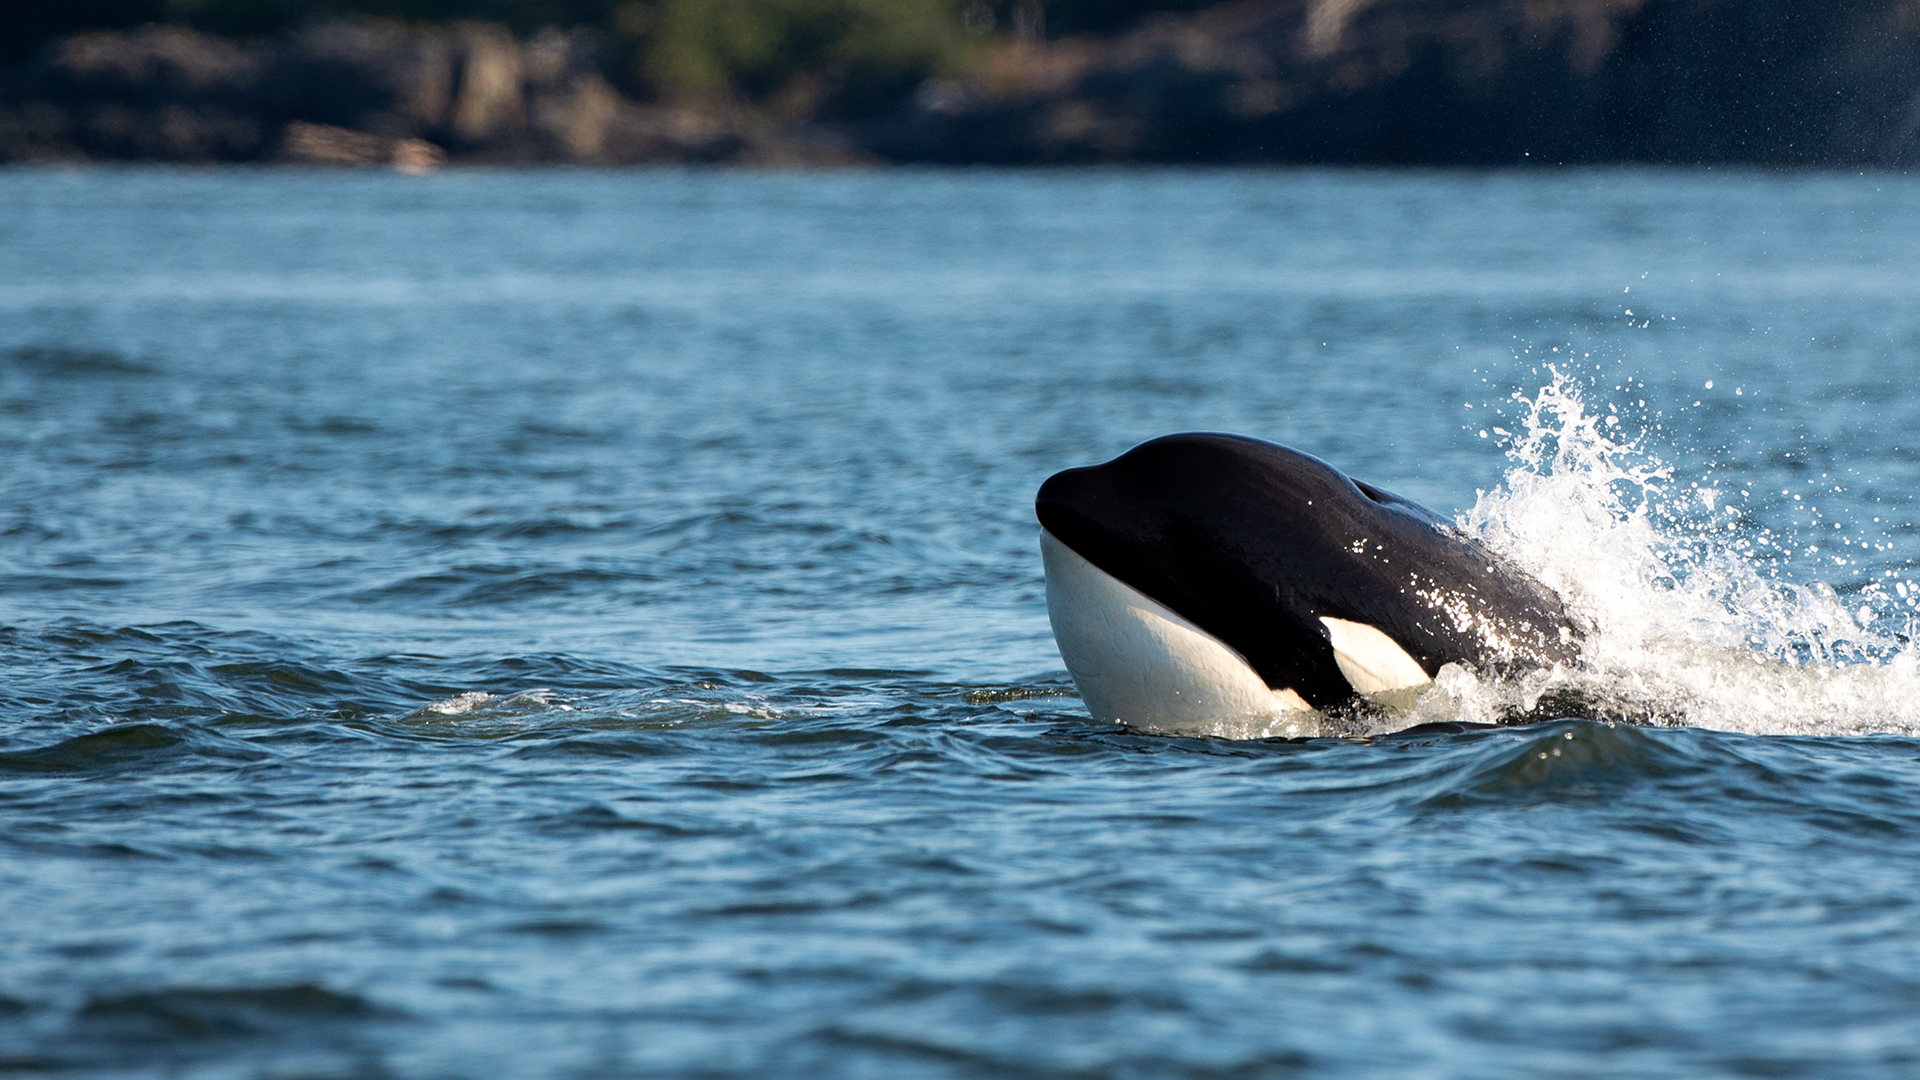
1372	662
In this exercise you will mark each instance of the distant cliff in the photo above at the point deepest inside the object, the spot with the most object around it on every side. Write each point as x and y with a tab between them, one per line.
1438	82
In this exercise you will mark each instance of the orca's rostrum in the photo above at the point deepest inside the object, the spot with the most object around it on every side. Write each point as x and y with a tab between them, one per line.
1202	576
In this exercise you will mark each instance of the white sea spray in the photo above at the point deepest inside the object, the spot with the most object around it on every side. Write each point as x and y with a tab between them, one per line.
1688	621
1688	616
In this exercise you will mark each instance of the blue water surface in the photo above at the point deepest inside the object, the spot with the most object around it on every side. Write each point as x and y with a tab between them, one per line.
590	624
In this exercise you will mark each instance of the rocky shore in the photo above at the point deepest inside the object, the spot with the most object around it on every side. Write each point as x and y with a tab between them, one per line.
1404	82
362	92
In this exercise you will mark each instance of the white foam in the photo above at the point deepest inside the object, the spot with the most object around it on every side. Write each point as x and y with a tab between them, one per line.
1686	621
459	703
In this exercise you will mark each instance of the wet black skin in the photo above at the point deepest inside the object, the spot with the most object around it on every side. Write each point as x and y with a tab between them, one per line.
1254	542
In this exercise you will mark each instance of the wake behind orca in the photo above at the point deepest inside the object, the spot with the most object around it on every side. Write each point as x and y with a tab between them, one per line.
1199	577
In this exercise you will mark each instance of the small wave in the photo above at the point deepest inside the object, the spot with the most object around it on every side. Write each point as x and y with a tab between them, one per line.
1569	760
478	586
589	820
136	746
69	363
478	703
20	584
576	721
557	525
1003	695
204	1012
482	714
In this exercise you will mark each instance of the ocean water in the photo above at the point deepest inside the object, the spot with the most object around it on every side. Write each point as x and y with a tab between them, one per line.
589	624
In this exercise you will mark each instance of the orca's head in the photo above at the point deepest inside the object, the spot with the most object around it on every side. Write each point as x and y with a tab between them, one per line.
1296	580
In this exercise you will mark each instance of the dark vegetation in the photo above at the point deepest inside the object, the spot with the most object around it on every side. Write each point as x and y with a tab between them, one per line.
1789	82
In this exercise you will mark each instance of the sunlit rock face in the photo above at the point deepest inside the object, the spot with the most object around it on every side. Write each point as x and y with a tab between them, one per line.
362	91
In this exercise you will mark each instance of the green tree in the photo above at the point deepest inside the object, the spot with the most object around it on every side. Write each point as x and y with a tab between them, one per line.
793	57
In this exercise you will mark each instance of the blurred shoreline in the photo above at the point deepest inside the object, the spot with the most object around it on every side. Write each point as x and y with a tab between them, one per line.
1356	82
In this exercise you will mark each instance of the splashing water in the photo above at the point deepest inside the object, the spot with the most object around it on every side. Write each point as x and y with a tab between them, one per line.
1684	626
1687	621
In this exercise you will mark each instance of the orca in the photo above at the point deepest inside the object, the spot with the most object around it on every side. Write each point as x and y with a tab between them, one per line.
1204	576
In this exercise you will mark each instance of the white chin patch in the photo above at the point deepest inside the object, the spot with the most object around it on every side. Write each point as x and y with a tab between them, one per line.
1370	660
1137	662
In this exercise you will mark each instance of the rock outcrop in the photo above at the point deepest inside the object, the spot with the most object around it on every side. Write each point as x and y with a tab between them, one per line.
468	91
